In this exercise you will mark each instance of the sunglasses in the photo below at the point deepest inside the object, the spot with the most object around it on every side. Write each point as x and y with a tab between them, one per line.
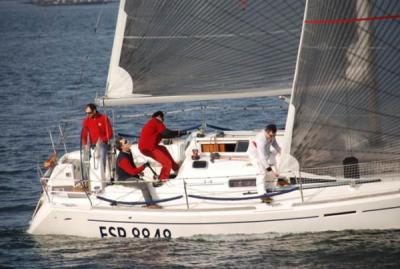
125	142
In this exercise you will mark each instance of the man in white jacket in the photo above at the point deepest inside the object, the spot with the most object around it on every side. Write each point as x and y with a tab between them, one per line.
263	159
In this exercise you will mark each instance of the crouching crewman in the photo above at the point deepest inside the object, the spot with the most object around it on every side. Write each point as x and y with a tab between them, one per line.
127	170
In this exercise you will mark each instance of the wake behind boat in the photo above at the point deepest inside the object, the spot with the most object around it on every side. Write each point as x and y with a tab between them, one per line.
340	145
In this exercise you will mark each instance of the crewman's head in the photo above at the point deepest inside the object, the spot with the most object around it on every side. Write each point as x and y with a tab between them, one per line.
159	115
122	144
270	131
90	110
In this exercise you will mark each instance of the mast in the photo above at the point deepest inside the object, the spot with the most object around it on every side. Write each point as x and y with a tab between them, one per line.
117	77
288	163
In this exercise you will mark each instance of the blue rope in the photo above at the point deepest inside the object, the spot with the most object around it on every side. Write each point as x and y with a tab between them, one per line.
192	128
208	125
128	135
115	202
266	195
186	129
218	128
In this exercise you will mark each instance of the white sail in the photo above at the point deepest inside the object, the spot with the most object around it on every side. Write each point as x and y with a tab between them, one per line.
175	51
345	98
118	79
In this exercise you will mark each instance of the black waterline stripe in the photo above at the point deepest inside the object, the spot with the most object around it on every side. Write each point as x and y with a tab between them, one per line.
384	208
200	223
339	213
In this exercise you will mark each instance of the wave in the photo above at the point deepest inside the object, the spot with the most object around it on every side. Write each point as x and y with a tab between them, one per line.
13	232
17	208
232	238
6	189
17	171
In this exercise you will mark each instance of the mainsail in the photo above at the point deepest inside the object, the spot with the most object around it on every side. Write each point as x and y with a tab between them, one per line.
185	50
345	99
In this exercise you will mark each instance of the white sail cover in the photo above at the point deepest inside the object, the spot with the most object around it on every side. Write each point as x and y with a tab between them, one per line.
346	96
183	50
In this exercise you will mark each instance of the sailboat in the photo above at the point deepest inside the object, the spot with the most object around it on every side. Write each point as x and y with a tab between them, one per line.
338	60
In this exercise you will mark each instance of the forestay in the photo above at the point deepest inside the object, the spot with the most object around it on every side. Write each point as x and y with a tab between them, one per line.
345	101
184	50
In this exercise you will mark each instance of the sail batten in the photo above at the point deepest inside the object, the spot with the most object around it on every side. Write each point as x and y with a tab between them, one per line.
200	47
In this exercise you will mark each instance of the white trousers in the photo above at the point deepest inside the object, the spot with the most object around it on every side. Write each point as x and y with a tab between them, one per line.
264	179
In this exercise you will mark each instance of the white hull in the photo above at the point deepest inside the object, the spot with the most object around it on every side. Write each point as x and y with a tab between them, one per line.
370	203
367	212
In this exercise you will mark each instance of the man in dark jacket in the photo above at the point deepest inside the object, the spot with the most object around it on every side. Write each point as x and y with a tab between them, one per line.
127	170
150	137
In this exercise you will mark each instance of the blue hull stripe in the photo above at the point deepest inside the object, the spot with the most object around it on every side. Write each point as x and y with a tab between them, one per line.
201	223
379	209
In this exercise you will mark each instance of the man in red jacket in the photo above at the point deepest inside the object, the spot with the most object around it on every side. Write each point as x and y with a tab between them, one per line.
96	131
150	137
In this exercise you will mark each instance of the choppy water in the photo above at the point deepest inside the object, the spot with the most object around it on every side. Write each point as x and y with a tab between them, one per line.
52	63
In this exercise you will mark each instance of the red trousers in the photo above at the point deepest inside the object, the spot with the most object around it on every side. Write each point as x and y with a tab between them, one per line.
161	155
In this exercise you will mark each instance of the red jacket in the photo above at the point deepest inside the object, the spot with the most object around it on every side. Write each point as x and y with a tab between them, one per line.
97	127
150	136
